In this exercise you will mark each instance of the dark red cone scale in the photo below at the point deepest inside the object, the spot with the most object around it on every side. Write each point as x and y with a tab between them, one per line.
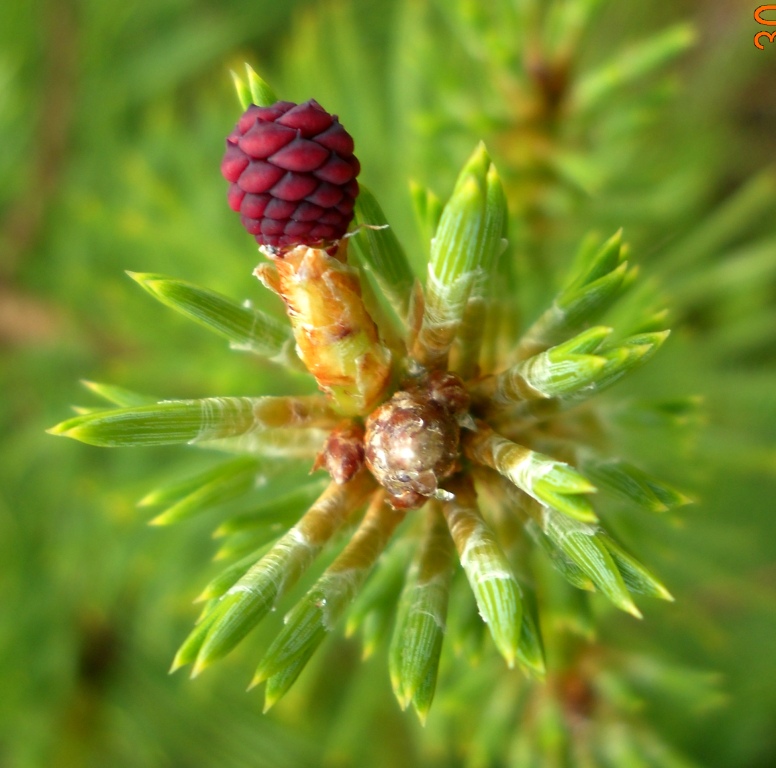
292	174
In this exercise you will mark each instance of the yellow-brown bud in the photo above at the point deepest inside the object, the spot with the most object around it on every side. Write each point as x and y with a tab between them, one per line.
335	336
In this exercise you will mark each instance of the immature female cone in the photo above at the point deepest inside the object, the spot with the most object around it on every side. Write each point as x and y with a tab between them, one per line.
292	173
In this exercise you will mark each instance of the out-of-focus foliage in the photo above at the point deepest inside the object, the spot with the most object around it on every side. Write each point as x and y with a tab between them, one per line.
112	121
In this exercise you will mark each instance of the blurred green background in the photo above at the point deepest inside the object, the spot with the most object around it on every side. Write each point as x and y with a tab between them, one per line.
112	119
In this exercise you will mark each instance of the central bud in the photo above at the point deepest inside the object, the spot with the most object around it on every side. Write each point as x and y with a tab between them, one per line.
411	441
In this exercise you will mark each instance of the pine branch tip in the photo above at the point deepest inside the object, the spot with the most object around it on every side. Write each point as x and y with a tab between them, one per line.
200	665
149	500
177	663
367	651
422	713
402	697
630	607
143	279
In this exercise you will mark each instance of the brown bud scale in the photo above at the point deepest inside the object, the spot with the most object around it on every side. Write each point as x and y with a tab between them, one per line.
343	453
412	441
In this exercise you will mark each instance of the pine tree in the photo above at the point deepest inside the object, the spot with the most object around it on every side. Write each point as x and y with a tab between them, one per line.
533	300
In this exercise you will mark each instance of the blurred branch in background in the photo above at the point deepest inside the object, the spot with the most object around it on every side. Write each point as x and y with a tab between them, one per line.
47	143
24	319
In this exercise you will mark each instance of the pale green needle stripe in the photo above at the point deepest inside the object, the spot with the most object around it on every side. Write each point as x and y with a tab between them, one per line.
195	421
631	64
487	569
120	396
549	481
577	550
413	657
253	596
602	276
381	252
632	484
318	612
253	90
245	327
469	233
560	370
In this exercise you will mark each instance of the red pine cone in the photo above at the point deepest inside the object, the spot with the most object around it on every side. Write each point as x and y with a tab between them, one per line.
292	173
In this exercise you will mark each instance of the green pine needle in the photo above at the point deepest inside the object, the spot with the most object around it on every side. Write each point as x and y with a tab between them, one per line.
245	327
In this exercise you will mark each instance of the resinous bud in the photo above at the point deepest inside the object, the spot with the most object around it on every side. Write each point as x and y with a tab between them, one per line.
412	440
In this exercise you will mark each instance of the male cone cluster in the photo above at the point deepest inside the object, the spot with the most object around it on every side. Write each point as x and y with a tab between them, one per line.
292	174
